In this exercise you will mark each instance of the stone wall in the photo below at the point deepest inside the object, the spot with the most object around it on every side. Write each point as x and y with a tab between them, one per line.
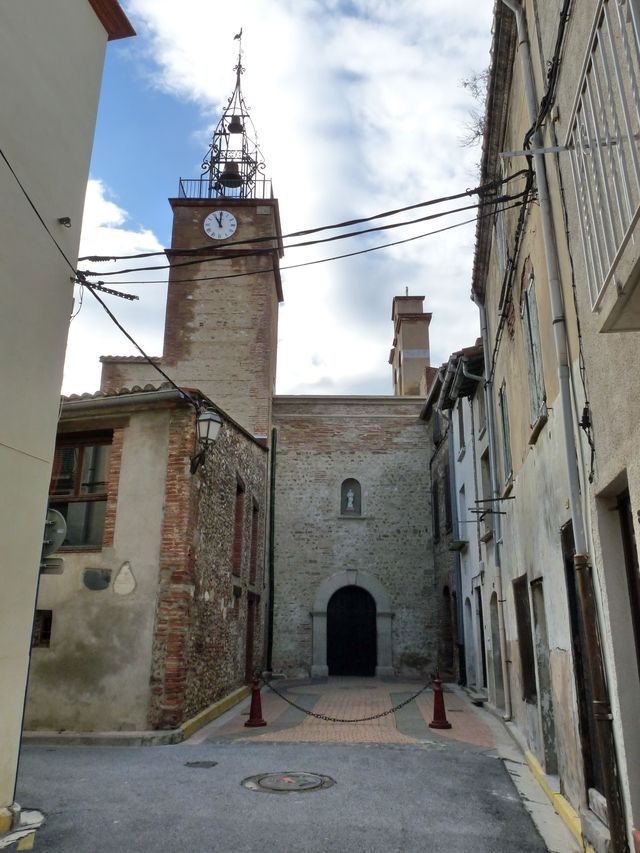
382	443
222	602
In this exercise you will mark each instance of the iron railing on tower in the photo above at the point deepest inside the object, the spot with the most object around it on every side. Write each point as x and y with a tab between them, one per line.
208	187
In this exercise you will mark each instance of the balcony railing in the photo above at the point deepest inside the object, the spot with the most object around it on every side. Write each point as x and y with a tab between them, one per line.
204	187
603	141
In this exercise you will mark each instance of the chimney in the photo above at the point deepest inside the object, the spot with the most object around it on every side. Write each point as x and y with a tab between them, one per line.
410	352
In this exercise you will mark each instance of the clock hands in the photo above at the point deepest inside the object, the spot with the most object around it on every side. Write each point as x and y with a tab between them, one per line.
219	219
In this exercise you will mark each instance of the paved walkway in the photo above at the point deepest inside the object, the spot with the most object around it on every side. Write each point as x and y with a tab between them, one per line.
399	786
474	732
353	698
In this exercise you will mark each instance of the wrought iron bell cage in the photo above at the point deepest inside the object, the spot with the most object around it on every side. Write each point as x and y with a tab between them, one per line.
233	166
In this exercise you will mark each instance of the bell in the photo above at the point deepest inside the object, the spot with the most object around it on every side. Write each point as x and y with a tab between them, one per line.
235	125
230	176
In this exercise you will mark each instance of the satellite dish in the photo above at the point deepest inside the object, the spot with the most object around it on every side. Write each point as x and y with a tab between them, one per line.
55	532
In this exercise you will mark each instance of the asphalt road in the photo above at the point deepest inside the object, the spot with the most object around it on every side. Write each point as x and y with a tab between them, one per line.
423	798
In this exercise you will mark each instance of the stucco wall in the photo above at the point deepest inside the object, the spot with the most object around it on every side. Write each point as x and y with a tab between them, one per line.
381	443
43	97
95	674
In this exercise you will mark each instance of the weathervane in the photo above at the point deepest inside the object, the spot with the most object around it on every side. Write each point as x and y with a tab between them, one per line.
233	161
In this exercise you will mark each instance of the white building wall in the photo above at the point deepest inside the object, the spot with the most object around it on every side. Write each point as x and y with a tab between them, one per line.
51	58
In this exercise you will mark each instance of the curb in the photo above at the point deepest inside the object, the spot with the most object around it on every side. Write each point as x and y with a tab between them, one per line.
565	810
141	738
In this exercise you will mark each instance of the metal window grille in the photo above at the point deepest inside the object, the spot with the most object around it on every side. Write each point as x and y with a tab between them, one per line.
42	628
603	140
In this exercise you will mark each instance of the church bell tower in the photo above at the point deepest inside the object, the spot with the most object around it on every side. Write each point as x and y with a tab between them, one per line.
224	282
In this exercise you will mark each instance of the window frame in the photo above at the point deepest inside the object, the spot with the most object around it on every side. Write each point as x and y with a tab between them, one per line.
533	347
524	628
503	408
82	442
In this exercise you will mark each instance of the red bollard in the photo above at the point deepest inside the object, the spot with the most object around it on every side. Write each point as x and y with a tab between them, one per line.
439	715
255	714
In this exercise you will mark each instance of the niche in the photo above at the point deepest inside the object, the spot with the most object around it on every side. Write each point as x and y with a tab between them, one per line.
350	498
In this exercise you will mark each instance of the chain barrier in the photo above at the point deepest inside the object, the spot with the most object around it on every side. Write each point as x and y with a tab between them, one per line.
329	719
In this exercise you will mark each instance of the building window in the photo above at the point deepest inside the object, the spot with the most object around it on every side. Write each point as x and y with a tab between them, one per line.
42	628
350	497
537	396
487	506
603	140
525	639
437	427
506	436
238	525
255	529
501	233
460	428
78	489
435	510
482	410
448	516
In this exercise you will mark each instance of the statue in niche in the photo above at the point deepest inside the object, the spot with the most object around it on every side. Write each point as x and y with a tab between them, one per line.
350	496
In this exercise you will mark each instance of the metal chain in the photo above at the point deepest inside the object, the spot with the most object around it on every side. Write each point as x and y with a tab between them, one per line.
357	719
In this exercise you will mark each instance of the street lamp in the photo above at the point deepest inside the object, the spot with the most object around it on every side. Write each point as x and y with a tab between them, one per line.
208	425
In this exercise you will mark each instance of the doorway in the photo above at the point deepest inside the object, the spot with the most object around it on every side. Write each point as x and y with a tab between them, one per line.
351	632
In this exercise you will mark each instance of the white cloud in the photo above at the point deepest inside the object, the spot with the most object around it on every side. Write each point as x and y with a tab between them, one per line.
359	109
92	333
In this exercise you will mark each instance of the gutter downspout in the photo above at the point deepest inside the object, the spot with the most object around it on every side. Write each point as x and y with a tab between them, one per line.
495	492
453	502
270	557
602	709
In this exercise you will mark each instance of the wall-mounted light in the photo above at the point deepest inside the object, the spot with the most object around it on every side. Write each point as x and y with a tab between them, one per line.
65	221
208	425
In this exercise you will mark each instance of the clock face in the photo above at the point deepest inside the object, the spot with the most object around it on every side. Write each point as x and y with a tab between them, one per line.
220	224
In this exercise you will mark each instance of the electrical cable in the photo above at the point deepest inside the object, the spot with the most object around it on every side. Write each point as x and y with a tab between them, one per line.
37	213
321	260
129	337
480	190
305	244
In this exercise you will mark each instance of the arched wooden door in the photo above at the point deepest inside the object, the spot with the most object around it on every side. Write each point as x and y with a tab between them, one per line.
351	632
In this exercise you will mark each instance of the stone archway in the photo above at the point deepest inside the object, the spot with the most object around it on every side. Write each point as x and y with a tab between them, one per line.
384	615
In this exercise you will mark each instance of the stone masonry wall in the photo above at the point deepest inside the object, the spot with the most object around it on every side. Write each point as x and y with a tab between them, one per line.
217	645
382	443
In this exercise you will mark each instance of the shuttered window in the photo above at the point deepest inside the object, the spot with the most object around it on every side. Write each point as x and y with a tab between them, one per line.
537	396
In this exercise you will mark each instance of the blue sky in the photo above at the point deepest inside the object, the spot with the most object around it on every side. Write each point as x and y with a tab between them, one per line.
359	109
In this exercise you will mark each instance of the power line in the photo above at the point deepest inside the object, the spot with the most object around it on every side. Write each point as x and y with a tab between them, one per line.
481	190
323	260
129	337
308	243
37	213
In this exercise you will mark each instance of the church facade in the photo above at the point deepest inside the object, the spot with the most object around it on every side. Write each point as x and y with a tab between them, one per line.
330	497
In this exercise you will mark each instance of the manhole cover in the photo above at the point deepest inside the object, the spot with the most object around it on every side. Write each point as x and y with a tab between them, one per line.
283	783
200	763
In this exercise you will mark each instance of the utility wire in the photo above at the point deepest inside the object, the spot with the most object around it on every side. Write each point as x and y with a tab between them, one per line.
129	337
37	213
480	191
91	289
53	239
322	260
308	243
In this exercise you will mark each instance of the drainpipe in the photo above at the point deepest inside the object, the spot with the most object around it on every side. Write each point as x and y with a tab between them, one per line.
606	739
453	501
270	558
495	493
